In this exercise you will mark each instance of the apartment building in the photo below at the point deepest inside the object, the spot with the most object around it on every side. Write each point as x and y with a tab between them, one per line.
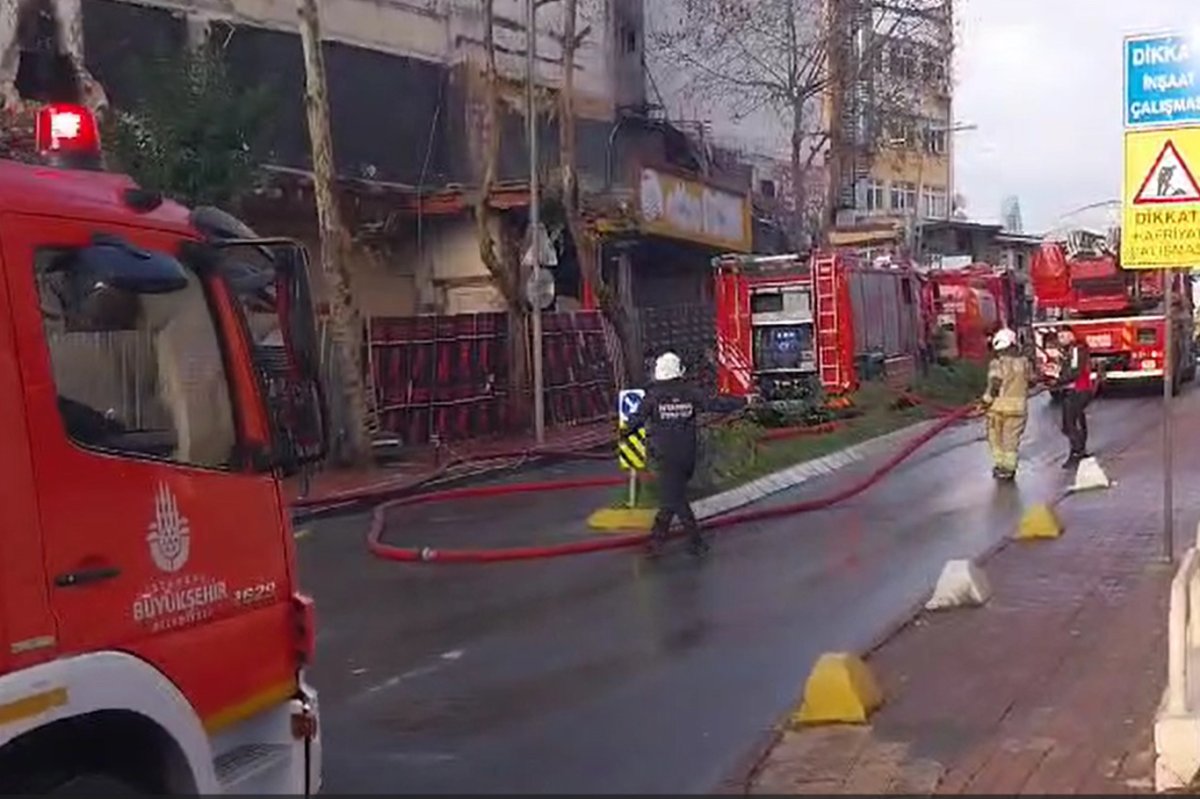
890	114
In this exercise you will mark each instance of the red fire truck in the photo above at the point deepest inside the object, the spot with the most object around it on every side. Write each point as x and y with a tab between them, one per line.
789	324
154	640
973	302
1078	282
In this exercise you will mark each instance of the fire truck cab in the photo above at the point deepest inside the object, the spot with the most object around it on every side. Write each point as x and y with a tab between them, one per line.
157	376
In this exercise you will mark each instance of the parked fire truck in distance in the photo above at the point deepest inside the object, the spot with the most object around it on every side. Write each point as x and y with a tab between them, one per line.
1078	283
789	325
157	375
972	303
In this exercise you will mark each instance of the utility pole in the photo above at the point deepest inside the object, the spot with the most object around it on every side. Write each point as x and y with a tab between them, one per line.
535	224
1169	367
335	241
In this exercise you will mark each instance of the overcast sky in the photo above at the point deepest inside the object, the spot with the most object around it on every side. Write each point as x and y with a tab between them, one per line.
1042	80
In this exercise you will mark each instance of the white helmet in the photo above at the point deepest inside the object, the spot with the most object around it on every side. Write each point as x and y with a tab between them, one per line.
1003	339
668	367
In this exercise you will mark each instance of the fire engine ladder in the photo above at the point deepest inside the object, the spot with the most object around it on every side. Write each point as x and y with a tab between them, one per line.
827	322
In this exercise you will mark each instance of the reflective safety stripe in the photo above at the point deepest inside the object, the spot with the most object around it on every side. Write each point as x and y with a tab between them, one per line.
33	705
250	707
1008	406
631	451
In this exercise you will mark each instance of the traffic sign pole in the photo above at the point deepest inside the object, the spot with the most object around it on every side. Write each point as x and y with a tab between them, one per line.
633	487
1169	367
1161	194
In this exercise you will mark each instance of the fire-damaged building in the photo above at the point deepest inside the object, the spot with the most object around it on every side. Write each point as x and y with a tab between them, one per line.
407	112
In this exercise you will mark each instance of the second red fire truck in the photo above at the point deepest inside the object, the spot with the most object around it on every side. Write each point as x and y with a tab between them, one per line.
790	327
1078	283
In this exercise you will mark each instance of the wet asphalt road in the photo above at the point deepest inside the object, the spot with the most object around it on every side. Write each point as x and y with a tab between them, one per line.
609	674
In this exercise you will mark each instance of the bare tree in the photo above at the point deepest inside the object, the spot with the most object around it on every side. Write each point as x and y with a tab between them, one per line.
68	24
784	57
499	243
345	320
586	241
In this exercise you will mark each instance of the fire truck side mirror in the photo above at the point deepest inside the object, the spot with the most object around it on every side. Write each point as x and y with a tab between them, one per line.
305	431
269	278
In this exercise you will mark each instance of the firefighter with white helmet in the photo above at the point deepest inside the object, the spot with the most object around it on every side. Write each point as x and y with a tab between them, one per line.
669	411
1006	402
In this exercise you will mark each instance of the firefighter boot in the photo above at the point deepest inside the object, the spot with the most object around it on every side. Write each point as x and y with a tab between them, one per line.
658	534
697	543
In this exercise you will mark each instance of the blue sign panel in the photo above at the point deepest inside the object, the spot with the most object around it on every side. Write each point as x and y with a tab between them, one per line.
628	402
1162	81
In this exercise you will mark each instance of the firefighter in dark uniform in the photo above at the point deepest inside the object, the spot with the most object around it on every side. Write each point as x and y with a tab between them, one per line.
1075	378
669	412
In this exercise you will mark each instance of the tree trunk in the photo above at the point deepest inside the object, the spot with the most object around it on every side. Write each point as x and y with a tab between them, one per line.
346	324
586	247
502	262
799	199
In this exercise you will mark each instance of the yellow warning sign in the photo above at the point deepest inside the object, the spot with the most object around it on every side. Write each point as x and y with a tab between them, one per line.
1161	220
631	450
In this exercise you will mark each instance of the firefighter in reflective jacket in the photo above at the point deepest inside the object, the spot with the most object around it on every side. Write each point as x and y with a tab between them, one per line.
1076	378
669	411
1005	400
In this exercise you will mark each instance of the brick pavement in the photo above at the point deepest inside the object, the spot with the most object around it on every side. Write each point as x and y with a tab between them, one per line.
427	462
1049	688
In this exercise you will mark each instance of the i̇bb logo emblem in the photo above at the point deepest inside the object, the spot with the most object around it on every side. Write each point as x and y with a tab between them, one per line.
170	534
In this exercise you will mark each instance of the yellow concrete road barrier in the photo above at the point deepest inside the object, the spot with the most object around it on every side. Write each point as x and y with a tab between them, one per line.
840	690
622	520
1039	522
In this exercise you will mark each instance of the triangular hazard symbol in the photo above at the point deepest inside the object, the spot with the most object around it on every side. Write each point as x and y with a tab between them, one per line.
1169	180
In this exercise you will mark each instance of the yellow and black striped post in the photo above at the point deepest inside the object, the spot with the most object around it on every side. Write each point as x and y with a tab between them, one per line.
631	450
631	455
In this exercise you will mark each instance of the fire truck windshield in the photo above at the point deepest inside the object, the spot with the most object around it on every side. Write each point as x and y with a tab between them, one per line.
135	354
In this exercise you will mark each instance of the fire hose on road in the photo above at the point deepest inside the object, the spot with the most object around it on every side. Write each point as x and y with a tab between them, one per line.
432	555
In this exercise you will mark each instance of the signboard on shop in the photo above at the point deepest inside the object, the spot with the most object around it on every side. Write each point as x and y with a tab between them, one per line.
692	211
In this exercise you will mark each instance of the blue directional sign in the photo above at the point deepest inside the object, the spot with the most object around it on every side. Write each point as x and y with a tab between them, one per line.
628	403
1162	81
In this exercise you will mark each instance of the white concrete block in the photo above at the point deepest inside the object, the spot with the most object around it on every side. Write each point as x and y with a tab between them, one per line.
1177	751
1090	475
961	584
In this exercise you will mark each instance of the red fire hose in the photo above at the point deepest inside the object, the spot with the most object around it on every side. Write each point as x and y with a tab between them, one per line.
431	555
377	493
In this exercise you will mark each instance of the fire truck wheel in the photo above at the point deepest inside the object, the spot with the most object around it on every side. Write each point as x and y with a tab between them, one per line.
96	785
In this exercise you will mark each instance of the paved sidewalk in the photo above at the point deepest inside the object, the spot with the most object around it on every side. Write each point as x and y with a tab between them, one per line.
1050	688
429	462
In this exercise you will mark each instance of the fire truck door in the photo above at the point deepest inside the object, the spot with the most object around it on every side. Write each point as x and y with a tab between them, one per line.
27	632
151	525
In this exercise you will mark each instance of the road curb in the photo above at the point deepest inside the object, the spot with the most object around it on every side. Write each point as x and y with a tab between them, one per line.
800	473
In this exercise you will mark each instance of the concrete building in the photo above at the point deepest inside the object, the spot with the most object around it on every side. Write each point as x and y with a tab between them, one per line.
406	117
890	113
